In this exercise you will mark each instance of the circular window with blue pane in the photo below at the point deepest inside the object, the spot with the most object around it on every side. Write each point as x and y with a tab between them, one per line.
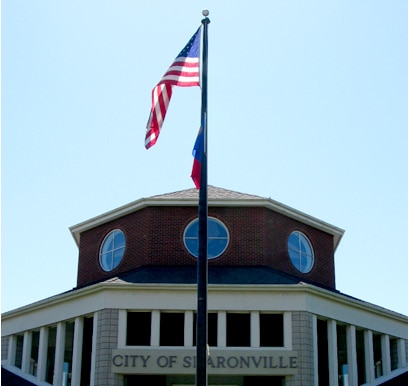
217	238
112	250
300	252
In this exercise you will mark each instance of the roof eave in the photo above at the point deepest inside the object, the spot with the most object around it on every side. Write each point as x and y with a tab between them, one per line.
285	288
268	203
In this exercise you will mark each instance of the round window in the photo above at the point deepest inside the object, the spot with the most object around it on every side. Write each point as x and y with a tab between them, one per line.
112	250
217	238
300	252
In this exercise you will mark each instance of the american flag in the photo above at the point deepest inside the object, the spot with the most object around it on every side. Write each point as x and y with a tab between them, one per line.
183	72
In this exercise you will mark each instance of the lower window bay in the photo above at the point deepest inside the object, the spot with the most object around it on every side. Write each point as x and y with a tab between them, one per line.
241	344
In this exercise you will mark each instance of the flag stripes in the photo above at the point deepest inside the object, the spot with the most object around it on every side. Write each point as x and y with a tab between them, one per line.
184	72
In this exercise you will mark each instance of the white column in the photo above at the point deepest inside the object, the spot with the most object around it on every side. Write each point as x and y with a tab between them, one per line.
401	354
94	347
42	354
122	327
332	353
351	355
27	343
288	331
59	354
188	341
77	351
254	329
11	357
386	356
155	328
221	329
315	348
369	359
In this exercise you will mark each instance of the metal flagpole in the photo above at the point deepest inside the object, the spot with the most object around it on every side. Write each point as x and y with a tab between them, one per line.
201	320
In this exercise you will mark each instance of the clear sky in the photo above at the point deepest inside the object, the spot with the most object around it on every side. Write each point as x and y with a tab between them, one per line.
307	105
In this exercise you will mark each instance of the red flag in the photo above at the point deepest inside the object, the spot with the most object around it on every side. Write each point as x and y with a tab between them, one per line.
183	72
197	153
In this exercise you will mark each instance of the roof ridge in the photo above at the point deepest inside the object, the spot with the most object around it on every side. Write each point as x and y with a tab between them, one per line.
213	192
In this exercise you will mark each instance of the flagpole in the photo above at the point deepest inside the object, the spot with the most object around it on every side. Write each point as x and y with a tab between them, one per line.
201	324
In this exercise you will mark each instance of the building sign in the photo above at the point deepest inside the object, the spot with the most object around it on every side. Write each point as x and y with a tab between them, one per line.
221	361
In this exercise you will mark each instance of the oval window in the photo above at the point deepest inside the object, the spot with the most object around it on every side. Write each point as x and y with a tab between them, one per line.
300	252
217	238
112	250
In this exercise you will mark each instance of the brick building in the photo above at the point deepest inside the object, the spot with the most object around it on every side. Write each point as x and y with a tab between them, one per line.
275	315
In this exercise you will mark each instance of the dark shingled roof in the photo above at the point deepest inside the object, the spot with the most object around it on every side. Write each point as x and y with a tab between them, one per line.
216	275
400	380
8	378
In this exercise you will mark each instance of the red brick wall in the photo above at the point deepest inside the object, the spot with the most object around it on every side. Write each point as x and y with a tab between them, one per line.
154	236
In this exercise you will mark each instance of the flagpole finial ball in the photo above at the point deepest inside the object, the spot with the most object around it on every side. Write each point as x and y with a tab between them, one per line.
205	12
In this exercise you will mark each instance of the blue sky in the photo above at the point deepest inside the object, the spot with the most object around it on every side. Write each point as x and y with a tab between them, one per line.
307	105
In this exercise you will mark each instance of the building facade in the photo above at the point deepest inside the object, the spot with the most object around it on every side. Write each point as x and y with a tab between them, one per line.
275	316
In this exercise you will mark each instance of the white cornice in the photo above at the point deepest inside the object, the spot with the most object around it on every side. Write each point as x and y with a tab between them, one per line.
275	206
294	297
